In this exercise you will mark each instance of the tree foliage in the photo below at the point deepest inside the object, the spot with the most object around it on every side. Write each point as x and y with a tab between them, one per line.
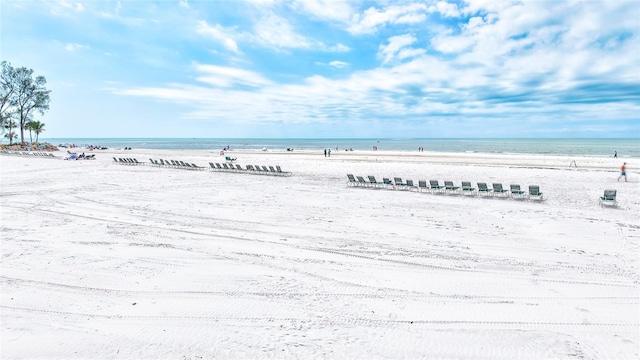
21	96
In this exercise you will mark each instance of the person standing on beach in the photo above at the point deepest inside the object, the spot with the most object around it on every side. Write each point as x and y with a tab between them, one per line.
615	154
325	152
329	153
623	172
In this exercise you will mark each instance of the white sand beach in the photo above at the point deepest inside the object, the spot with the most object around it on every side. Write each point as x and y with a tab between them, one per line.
107	261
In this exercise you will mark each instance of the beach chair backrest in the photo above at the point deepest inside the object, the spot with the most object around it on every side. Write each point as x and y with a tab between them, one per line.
514	187
361	180
422	184
466	185
534	190
448	185
238	167
434	183
351	178
397	181
482	186
278	168
410	183
386	181
272	169
497	187
372	179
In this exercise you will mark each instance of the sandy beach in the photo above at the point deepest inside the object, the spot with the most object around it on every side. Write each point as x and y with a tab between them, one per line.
108	261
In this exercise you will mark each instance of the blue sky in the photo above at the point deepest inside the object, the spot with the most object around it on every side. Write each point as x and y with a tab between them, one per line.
329	68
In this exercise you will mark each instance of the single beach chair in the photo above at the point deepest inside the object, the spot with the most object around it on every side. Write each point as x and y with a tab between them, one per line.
516	192
609	198
422	186
534	193
435	187
483	189
450	188
351	179
467	189
498	190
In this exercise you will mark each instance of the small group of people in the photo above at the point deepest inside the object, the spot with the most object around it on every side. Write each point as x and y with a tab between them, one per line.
75	156
420	149
327	152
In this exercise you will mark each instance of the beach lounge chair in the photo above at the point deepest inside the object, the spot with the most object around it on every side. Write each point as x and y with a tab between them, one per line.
373	181
534	193
435	187
609	198
399	184
272	169
387	183
483	189
115	160
285	173
450	188
264	168
410	185
238	167
352	180
230	159
467	189
498	190
362	181
422	185
257	167
516	192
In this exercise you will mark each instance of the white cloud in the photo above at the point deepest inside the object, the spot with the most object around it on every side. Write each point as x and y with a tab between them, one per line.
332	10
75	47
447	10
275	31
395	44
372	18
219	34
227	76
338	64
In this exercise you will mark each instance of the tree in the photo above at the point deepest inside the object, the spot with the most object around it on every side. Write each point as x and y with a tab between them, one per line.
29	126
29	95
37	128
7	91
8	126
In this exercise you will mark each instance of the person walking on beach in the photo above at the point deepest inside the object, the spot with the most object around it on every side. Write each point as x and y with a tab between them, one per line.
325	152
623	172
615	154
329	153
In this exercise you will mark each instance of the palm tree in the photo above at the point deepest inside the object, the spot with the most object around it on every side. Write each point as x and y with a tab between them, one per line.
29	126
37	127
9	125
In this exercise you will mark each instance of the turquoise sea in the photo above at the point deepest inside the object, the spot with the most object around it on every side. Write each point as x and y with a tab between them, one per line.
582	147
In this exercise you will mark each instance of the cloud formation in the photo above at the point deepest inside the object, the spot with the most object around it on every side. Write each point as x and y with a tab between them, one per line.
418	65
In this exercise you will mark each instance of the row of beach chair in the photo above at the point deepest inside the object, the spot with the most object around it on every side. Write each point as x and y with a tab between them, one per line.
434	187
28	153
176	164
251	169
224	167
128	161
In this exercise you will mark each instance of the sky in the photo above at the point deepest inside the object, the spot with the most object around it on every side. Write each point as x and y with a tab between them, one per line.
331	69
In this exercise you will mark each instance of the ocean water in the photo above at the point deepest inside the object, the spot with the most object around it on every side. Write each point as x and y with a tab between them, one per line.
580	147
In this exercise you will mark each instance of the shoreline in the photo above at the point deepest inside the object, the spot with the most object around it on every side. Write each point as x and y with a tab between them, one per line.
444	158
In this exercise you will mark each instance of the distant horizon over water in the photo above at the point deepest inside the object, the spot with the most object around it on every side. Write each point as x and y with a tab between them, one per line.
627	147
